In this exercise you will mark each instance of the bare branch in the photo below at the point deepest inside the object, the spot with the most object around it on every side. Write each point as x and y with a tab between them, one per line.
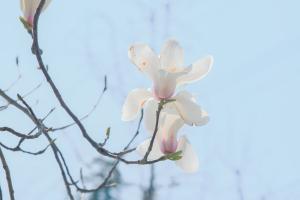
149	192
18	148
18	134
8	177
160	107
55	151
15	103
24	96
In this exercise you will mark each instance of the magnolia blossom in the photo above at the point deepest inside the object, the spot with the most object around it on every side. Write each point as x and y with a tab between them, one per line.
166	142
167	73
29	7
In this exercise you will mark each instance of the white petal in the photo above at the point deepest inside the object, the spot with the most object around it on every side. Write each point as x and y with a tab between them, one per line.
22	3
171	124
189	111
171	55
169	121
189	161
197	71
155	152
145	59
27	7
150	115
134	102
204	119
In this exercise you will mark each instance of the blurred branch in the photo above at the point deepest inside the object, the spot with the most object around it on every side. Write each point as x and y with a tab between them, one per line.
1	197
149	193
8	177
239	184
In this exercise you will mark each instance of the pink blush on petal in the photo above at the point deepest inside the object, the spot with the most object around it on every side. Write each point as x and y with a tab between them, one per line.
30	19
162	94
169	145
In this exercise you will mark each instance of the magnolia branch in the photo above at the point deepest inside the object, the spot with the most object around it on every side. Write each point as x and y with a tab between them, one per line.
41	129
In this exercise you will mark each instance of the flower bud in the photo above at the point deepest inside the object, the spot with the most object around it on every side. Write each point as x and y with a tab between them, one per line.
29	8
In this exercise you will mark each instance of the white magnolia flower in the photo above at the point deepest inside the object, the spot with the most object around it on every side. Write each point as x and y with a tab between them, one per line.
166	142
167	73
29	7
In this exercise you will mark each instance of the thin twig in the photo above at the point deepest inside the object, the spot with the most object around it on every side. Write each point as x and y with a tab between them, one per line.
56	155
160	107
18	78
24	96
18	134
15	103
90	112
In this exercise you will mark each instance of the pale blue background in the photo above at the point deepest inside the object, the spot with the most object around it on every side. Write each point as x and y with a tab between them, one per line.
252	93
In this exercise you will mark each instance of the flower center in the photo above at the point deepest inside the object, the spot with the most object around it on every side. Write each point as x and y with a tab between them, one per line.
163	93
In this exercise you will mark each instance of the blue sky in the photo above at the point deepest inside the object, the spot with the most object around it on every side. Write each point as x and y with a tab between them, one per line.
251	93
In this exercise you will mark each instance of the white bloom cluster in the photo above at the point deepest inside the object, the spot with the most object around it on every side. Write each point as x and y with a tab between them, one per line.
167	72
